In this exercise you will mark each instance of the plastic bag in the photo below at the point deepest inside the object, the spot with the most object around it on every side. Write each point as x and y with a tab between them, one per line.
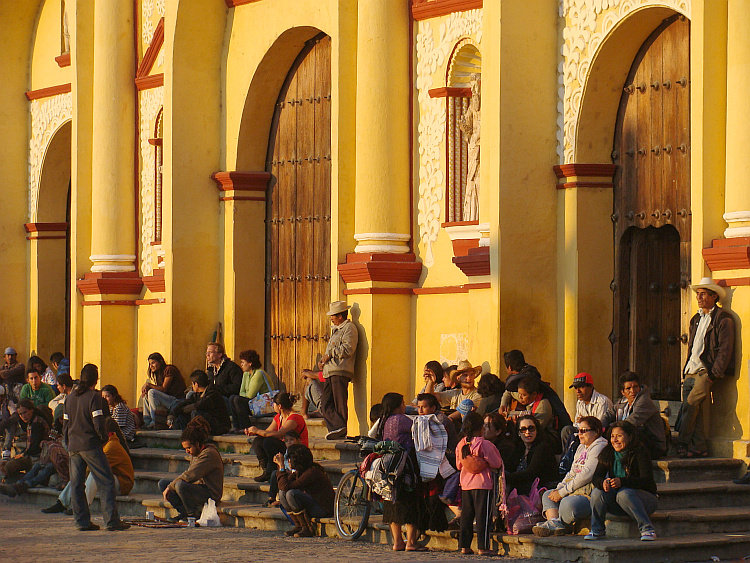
209	516
524	511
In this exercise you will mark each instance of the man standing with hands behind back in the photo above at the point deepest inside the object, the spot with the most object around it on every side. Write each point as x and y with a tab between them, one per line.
710	357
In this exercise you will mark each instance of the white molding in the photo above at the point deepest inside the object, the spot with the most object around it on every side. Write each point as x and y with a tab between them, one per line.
400	247
736	232
381	236
113	262
381	248
737	216
463	232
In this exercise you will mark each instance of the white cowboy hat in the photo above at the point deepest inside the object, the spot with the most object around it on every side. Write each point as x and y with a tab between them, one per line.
708	283
337	307
465	365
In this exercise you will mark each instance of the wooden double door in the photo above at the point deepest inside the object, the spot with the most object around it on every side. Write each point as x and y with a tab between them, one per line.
652	212
298	216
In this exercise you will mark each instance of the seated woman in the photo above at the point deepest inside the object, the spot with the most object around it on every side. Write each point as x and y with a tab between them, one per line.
570	501
491	388
269	442
407	510
531	401
624	481
120	411
533	458
164	387
305	492
48	375
36	427
496	430
254	381
204	477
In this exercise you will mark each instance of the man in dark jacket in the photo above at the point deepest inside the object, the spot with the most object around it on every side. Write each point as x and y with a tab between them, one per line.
85	435
205	401
711	357
223	372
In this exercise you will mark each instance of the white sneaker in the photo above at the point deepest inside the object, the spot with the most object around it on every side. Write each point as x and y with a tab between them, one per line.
335	434
554	527
648	536
6	455
594	536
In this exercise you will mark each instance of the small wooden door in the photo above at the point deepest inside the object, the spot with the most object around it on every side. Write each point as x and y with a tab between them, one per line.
652	211
298	216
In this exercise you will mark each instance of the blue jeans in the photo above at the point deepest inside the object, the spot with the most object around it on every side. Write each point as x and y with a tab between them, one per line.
39	474
65	495
188	498
572	507
153	400
296	500
99	467
636	503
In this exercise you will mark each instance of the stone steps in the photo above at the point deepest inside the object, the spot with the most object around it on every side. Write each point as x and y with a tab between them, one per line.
702	494
675	470
127	505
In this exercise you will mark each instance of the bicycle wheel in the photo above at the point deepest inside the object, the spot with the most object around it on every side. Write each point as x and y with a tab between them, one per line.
352	508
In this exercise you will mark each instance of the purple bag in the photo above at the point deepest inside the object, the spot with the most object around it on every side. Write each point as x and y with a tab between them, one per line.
524	511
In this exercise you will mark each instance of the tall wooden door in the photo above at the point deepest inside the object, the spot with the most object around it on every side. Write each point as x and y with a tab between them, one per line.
652	211
298	216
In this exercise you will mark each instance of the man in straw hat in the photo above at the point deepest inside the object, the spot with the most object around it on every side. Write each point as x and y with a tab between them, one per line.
466	375
337	365
711	356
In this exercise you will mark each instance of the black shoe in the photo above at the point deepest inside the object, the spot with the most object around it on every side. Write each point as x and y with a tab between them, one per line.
8	490
56	508
744	480
119	527
266	475
68	512
178	518
90	528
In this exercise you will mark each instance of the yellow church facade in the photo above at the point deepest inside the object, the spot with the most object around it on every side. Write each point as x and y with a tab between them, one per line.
471	176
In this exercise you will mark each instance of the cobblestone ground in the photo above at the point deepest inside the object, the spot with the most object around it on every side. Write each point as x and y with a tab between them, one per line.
28	536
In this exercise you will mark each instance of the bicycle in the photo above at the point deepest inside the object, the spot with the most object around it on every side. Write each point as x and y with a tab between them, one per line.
353	499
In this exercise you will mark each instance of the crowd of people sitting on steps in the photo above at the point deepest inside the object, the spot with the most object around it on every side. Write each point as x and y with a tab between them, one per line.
475	444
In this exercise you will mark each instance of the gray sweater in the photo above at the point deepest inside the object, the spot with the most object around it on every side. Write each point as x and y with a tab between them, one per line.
83	421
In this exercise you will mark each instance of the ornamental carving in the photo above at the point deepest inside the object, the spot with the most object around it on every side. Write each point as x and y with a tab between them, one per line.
47	116
148	25
150	102
587	24
433	54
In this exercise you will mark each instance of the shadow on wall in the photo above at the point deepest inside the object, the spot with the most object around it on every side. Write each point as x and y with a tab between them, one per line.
725	392
359	385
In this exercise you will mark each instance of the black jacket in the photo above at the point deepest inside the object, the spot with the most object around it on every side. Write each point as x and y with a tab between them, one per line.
718	349
637	463
558	408
541	464
228	379
210	405
83	421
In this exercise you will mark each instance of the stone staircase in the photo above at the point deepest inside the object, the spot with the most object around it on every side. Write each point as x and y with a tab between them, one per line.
701	512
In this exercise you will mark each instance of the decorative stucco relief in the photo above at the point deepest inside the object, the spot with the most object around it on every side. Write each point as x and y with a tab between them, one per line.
151	101
148	22
433	54
47	116
587	24
454	347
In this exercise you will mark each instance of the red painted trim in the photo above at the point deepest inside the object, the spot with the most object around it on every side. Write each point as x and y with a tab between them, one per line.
461	247
36	236
150	301
116	283
726	242
156	142
727	257
448	289
449	92
241	181
568	185
241	198
45	227
149	57
570	170
458	223
378	291
99	303
148	82
48	92
380	267
733	282
235	3
414	124
483	285
63	60
424	9
475	263
155	282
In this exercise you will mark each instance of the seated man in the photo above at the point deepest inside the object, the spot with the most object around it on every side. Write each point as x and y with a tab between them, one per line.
8	422
466	377
590	403
222	372
313	390
12	373
53	459
206	401
39	392
637	408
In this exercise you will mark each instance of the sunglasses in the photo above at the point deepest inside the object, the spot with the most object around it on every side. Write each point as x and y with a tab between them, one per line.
525	429
584	430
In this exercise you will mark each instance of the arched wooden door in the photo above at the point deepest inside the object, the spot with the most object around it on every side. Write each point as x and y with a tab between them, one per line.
652	211
298	216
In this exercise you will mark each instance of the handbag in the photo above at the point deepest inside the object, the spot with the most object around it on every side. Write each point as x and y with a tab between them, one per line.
523	512
262	403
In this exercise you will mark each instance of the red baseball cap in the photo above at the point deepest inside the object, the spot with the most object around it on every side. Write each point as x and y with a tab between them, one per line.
582	378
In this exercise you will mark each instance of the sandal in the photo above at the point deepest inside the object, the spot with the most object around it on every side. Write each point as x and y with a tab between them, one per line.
418	548
692	454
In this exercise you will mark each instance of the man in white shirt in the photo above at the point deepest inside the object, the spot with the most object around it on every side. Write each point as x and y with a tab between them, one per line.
590	403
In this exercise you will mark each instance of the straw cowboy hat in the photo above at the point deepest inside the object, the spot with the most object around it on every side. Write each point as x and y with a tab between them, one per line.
337	307
708	283
464	366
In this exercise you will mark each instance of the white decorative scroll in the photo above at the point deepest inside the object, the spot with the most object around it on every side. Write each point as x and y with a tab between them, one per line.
454	347
433	54
150	102
588	22
47	116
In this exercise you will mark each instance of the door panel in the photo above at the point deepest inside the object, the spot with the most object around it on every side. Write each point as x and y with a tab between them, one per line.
652	211
299	264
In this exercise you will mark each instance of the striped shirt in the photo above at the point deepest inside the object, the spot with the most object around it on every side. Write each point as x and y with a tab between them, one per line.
125	420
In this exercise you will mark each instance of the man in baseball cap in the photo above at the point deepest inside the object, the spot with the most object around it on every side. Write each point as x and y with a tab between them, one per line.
12	372
590	403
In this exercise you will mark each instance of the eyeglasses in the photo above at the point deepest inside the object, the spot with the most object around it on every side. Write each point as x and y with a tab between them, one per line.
525	429
584	430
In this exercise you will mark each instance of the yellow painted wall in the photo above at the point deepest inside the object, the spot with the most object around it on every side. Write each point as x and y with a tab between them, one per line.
48	45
